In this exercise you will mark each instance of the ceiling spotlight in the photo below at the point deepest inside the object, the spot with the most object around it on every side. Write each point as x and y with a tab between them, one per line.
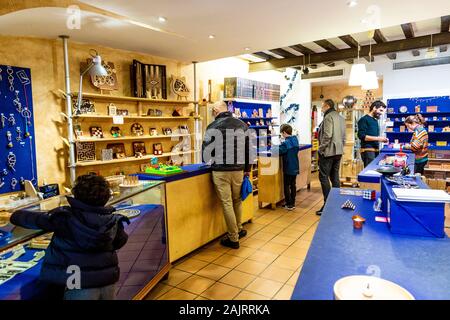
162	19
211	36
352	3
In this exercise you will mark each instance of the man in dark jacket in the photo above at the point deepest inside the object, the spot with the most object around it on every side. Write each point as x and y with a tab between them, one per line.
86	237
289	151
369	133
226	148
331	148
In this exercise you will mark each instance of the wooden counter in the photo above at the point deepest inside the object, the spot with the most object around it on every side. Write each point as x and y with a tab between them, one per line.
194	211
270	177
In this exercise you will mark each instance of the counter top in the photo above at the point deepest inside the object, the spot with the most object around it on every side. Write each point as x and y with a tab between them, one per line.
269	152
368	177
19	234
419	264
191	170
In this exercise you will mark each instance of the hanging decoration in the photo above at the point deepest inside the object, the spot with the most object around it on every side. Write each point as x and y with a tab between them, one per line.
288	113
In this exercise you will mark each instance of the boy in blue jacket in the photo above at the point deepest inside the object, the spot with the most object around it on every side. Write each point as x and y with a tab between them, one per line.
86	235
289	151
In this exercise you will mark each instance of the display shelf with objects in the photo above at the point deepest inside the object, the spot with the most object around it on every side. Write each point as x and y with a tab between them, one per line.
130	159
125	127
144	205
435	110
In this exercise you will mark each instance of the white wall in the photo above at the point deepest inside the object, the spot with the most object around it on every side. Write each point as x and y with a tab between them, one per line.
300	94
417	82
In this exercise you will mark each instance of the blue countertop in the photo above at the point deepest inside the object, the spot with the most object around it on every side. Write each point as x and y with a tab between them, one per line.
366	177
392	150
191	170
419	264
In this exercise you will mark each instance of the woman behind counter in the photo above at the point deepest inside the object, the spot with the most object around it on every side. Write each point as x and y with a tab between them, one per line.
419	141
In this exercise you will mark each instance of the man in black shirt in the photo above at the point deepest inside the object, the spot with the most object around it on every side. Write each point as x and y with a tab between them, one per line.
369	133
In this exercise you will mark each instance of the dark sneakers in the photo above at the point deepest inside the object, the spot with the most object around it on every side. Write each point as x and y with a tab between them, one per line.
242	233
226	242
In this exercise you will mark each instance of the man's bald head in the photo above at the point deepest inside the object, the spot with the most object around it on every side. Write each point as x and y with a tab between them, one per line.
219	107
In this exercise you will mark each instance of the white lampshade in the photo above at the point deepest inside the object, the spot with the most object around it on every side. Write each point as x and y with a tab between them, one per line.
370	81
357	75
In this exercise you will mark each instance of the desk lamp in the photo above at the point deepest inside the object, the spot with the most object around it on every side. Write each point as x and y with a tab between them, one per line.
95	68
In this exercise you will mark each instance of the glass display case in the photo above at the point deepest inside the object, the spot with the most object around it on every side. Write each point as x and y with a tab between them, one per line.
143	261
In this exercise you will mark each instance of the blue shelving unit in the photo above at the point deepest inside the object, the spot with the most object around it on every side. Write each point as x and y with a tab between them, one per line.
438	119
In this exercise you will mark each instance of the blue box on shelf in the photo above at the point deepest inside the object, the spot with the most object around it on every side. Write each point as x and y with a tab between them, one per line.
423	219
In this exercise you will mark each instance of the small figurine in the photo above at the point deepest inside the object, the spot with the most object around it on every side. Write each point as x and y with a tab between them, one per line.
244	115
255	114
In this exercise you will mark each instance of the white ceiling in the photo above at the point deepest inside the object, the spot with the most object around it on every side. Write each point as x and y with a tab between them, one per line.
237	24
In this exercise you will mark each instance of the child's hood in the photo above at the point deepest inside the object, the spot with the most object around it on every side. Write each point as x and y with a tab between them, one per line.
93	227
292	142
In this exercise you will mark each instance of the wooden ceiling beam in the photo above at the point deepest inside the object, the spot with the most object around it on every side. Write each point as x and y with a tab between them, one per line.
408	31
283	53
380	38
421	42
307	52
327	45
445	26
352	43
263	55
445	23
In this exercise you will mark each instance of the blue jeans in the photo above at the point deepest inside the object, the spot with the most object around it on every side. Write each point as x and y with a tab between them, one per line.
102	293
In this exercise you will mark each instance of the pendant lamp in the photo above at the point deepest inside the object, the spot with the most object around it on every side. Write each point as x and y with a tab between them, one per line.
357	73
370	81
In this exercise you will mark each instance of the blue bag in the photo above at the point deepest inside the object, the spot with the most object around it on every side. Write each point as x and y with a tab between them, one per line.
246	188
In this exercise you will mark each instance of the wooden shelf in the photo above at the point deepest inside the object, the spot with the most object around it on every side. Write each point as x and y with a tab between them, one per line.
437	170
129	159
136	117
441	160
97	96
250	101
146	137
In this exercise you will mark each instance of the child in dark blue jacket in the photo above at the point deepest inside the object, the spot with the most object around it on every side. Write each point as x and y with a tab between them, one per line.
86	236
289	151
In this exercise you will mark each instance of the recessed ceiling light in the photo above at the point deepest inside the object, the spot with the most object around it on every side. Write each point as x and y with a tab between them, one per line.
247	49
211	36
352	3
162	19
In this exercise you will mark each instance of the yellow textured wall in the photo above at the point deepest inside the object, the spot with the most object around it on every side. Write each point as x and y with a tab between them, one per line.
45	59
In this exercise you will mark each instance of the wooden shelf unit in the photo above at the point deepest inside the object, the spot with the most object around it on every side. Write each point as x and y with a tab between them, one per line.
96	96
133	138
137	109
130	159
136	117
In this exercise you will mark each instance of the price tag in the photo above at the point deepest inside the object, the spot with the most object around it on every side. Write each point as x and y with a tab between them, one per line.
118	119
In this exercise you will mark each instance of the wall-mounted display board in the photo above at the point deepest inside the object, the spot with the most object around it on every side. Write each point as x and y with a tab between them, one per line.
17	147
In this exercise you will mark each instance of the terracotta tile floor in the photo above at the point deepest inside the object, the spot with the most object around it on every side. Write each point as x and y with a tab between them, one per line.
266	266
